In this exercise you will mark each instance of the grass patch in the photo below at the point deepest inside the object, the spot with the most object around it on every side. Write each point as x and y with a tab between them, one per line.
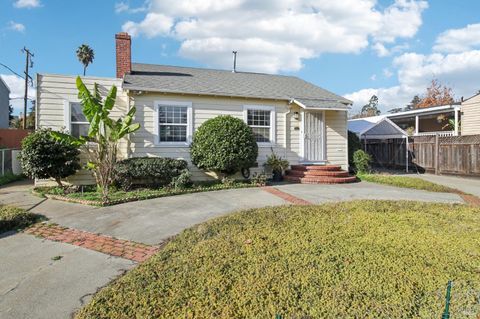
90	193
406	182
13	218
361	259
10	177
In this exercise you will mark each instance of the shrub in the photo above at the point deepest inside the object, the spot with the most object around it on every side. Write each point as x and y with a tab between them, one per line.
183	180
43	156
12	218
354	144
150	171
224	144
361	161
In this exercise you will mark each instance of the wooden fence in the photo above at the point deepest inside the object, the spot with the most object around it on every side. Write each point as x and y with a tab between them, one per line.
456	155
12	138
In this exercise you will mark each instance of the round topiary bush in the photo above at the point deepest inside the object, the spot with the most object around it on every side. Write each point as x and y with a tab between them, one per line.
224	144
43	156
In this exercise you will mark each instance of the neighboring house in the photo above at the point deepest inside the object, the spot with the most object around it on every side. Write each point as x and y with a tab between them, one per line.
296	119
4	104
427	121
470	124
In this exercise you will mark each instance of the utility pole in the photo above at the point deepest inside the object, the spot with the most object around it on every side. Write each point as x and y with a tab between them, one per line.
28	64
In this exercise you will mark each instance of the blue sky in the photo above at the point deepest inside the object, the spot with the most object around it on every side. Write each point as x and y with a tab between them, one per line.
355	48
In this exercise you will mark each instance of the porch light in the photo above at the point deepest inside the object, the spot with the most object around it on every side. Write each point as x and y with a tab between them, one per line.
296	116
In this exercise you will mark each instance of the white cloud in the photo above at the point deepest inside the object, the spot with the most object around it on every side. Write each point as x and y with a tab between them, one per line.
459	40
415	71
275	35
387	73
121	7
27	4
17	90
373	77
153	25
16	26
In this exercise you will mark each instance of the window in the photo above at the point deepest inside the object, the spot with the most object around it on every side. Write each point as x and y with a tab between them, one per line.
75	121
262	121
174	122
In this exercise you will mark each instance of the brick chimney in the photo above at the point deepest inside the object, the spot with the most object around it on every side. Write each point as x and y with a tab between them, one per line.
123	43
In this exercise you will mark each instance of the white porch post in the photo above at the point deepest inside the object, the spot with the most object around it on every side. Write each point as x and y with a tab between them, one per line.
456	122
406	152
417	122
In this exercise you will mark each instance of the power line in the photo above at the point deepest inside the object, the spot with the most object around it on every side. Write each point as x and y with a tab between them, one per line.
9	69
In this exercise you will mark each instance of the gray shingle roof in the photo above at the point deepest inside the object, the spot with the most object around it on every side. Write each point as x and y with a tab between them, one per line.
174	79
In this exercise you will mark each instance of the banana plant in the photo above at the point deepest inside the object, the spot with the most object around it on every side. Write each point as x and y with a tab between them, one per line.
104	133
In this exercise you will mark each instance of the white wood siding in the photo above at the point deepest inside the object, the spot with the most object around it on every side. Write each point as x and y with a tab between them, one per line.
337	138
54	90
470	120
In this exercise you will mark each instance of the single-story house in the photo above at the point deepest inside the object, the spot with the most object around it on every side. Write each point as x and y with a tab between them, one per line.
470	124
296	119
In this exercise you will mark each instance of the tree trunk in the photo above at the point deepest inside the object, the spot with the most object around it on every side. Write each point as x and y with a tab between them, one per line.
59	181
84	70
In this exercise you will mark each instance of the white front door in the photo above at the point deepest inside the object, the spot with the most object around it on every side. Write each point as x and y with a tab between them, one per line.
313	137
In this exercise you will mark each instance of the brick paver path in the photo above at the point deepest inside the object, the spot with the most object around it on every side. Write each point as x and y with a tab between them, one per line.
286	196
105	244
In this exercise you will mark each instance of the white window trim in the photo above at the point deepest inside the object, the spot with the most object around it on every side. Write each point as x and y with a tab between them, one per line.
273	117
156	123
67	115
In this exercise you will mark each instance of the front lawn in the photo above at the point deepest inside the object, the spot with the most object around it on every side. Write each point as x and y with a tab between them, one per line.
405	182
360	259
13	218
117	196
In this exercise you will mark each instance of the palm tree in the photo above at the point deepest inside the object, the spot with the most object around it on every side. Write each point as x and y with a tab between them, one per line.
85	55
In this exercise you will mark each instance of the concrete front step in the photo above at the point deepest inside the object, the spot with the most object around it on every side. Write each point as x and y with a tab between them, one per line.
315	173
316	168
321	179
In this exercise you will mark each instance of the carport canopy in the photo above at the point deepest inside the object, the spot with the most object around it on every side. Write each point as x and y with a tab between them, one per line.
376	127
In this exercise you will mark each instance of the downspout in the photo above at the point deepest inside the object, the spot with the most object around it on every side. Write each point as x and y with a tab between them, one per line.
129	151
289	110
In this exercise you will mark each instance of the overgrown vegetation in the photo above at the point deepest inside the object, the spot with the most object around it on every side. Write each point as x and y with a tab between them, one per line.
13	218
43	156
361	259
9	178
117	196
405	182
224	144
150	171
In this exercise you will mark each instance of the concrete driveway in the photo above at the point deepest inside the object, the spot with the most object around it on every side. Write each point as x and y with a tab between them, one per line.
33	285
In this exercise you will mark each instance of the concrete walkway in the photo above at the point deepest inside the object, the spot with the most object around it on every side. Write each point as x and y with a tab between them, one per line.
469	185
33	285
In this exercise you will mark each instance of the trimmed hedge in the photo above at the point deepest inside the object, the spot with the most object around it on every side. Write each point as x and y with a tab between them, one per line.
224	144
148	171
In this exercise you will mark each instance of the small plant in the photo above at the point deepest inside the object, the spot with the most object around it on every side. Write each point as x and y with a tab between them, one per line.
228	181
361	161
224	144
55	258
277	164
259	179
183	180
43	156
